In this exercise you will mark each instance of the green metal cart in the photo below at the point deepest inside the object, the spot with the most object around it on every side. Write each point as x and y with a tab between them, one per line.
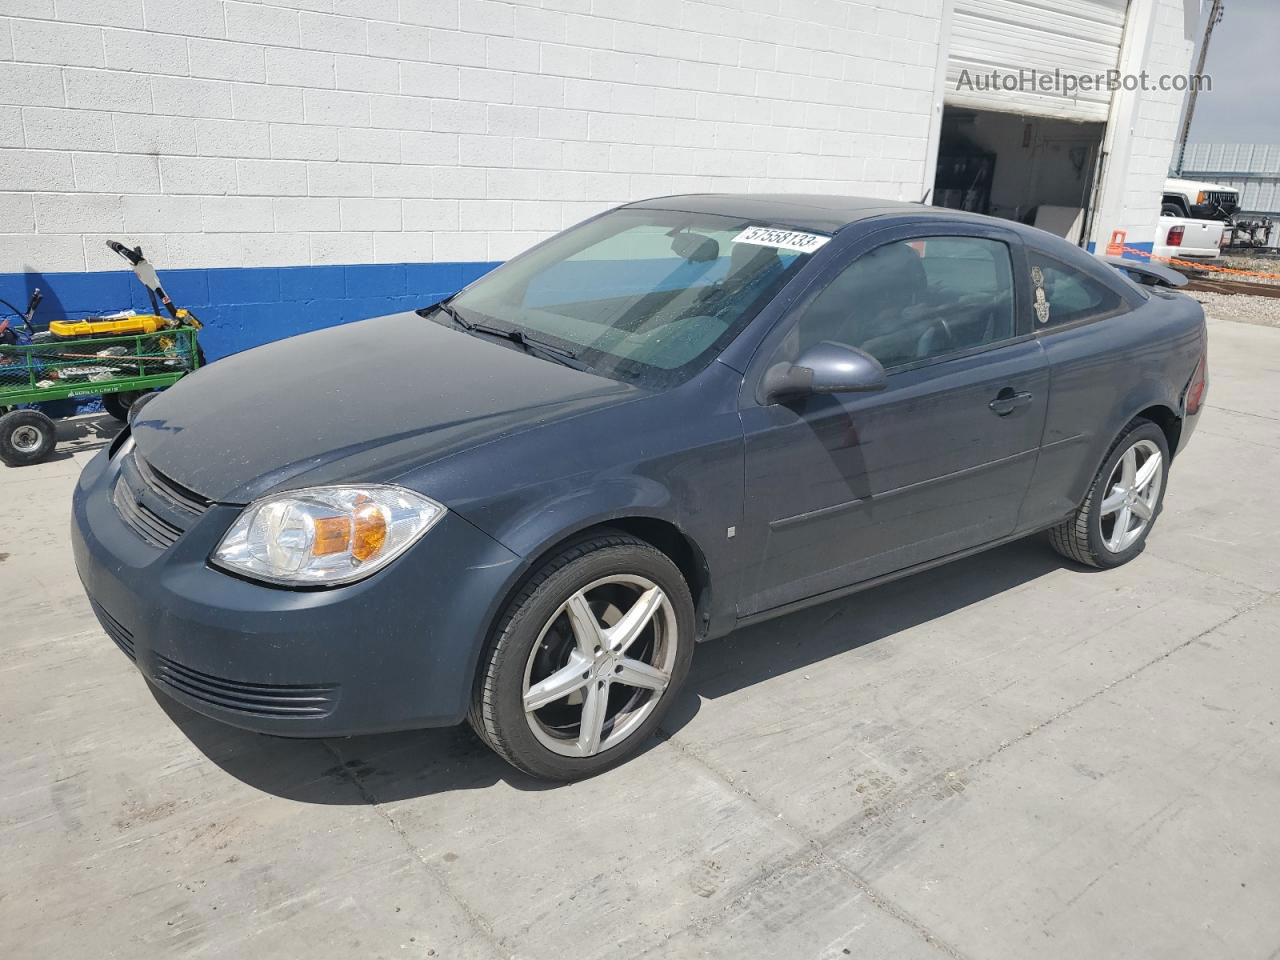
42	366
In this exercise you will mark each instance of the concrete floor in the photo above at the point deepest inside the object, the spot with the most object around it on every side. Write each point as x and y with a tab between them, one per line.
1009	757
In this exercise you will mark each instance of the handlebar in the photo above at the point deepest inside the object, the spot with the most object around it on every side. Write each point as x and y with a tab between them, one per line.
133	256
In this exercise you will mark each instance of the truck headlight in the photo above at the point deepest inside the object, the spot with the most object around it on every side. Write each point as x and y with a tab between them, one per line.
325	536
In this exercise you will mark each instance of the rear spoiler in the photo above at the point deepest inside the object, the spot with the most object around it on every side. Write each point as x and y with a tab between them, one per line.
1148	274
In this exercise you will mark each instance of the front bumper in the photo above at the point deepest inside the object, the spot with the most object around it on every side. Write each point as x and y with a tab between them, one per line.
1213	211
394	652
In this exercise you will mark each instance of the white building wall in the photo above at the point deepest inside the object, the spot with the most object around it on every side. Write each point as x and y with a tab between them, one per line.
1078	36
222	133
1144	124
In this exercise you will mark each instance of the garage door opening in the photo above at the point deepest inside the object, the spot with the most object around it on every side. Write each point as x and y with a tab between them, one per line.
1035	170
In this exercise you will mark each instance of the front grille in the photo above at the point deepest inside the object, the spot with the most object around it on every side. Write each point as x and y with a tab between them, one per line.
157	509
1218	198
259	699
145	522
172	491
116	630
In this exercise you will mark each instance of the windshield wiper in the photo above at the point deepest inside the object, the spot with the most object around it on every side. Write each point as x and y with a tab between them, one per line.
448	311
531	345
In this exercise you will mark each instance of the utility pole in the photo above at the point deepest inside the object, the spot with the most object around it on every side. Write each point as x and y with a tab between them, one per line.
1215	17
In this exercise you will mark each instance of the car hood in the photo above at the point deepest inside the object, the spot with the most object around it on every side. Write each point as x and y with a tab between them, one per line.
1194	186
360	402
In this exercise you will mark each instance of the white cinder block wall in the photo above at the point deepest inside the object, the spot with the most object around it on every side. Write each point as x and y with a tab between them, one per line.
1142	126
225	133
1155	131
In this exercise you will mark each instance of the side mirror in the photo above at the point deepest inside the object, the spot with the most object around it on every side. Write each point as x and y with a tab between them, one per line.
826	367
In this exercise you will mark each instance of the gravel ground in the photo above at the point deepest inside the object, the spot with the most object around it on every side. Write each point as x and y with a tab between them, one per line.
1264	311
1269	265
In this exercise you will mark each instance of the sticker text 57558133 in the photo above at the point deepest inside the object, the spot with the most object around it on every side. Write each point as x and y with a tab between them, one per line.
782	239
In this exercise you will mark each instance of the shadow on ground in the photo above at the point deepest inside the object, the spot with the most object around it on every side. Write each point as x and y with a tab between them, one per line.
86	434
391	767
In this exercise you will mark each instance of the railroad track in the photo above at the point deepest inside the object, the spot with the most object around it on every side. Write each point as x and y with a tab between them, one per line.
1211	284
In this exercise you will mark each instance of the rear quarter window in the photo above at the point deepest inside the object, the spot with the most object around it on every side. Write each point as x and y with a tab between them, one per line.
1062	294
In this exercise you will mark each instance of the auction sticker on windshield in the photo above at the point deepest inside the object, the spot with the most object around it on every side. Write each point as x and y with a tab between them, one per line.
782	239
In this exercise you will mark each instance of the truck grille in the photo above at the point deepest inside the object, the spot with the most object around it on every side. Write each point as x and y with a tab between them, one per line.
259	699
1220	199
157	509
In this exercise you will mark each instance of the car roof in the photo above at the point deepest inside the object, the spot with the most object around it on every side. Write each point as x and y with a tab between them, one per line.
819	212
831	213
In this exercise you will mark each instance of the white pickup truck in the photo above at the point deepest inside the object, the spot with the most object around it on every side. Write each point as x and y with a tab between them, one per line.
1193	216
1188	239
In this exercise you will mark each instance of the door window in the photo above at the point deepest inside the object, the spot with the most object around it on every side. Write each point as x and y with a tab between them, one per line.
915	300
1061	294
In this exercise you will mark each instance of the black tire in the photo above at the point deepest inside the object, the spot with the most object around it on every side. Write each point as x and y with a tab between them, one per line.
1081	537
1171	210
497	710
26	437
119	404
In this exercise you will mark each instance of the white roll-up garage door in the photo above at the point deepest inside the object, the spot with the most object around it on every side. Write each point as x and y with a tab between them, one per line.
1078	37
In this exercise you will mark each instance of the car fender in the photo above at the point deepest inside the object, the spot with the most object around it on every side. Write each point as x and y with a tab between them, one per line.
649	460
1142	396
567	512
547	523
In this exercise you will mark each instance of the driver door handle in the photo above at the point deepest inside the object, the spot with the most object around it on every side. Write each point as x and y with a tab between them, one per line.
1007	400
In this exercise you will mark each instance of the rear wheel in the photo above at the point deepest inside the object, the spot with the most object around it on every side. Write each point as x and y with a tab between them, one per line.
586	659
1111	526
26	436
119	404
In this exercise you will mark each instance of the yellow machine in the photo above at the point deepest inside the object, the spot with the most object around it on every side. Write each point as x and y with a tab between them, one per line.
125	323
107	326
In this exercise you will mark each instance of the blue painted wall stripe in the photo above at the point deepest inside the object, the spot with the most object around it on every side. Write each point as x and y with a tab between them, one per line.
1147	246
244	307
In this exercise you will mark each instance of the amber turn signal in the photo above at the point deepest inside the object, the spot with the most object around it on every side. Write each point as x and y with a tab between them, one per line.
370	531
333	535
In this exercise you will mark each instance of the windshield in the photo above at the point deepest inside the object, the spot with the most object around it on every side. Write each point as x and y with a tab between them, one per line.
645	296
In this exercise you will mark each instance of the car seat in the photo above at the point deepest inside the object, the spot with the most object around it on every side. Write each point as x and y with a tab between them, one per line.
868	303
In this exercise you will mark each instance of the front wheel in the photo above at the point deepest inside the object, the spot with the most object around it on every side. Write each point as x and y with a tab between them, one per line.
1124	501
586	659
26	437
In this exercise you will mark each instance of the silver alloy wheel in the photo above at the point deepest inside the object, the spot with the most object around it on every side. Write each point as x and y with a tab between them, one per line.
27	439
1133	492
600	665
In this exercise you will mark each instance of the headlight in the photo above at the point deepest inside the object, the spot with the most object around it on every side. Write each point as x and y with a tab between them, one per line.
323	536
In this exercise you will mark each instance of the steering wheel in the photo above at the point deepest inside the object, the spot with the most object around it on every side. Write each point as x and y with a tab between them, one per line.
937	339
